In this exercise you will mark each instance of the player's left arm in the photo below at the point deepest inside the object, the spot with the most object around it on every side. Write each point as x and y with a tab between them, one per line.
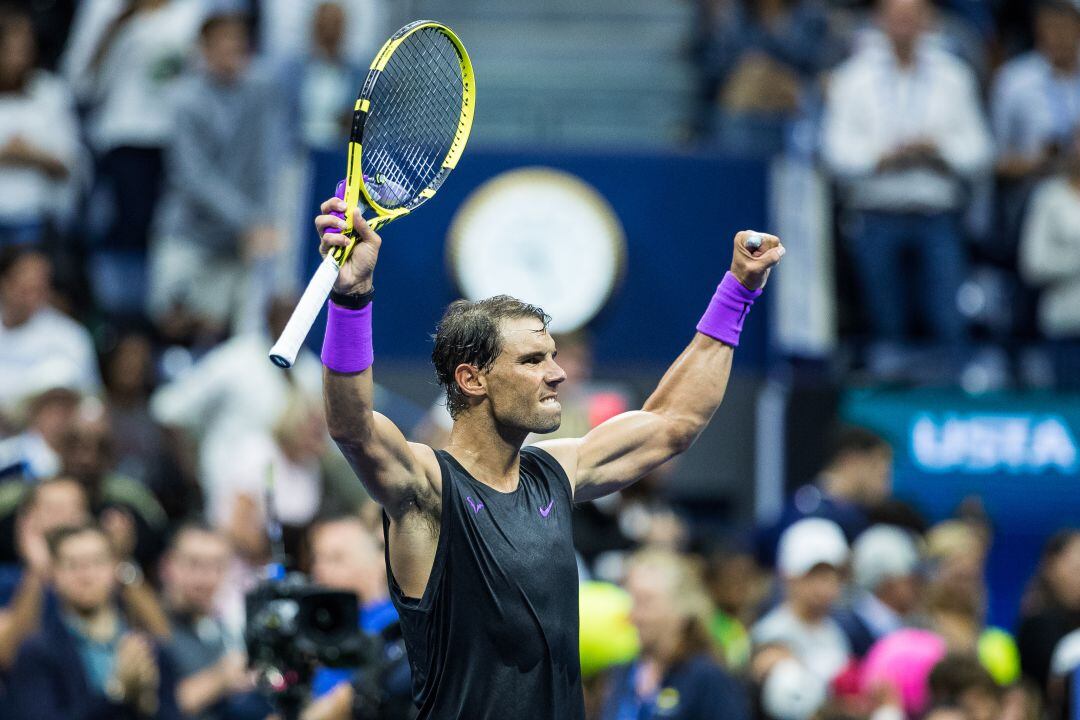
626	447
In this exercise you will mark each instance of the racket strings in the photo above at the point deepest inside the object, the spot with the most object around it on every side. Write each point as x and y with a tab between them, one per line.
416	106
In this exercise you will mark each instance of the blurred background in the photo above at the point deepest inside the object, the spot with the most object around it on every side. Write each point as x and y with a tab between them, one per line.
881	519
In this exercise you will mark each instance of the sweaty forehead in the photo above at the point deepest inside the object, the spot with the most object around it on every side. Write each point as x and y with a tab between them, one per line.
526	332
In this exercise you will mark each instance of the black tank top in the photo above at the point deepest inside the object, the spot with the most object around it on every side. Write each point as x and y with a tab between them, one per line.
495	635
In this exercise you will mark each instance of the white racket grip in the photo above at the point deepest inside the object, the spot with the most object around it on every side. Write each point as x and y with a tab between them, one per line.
284	352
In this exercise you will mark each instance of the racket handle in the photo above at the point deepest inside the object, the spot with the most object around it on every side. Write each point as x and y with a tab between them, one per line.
284	352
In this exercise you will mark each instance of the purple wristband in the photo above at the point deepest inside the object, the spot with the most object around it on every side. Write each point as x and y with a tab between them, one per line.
723	320
346	345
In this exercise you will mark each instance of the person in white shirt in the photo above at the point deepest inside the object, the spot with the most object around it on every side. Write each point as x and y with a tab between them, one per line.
1035	106
232	392
1036	97
905	135
39	136
810	558
124	58
1050	250
39	346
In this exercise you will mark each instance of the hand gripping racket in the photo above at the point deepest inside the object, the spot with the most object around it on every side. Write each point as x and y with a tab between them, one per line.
410	125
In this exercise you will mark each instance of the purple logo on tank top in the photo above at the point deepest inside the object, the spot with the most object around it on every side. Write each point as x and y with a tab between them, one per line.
476	506
544	512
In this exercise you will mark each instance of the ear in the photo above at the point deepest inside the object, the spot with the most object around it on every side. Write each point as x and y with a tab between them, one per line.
471	381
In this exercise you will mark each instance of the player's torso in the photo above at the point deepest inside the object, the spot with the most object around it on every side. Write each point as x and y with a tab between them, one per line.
499	620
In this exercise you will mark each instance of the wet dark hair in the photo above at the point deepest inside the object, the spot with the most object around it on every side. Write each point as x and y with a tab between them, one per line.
469	334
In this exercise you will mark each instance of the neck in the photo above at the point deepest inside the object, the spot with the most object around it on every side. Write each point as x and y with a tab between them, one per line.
1064	65
100	623
488	451
804	613
836	484
905	54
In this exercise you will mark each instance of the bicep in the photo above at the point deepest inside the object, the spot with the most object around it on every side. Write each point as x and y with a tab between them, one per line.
393	470
615	453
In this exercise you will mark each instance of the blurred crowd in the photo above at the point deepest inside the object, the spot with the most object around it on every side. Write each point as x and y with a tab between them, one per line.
147	158
949	133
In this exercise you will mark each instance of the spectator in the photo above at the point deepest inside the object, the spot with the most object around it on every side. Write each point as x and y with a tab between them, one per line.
90	664
213	219
39	347
736	586
786	689
856	479
346	555
39	137
287	460
1050	248
676	675
1036	98
324	82
144	451
810	558
759	59
231	393
904	133
885	571
125	58
960	680
1052	605
212	682
53	504
33	453
127	510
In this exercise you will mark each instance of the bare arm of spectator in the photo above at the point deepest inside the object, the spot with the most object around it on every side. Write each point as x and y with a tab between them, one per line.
228	676
1046	253
335	705
21	618
20	152
246	528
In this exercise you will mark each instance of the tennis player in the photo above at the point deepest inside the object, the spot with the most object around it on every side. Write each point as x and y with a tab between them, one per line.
479	546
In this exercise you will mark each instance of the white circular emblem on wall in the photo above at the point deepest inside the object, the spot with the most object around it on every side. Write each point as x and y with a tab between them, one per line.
543	236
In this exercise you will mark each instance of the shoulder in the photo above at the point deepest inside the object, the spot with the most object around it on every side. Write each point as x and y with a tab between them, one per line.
1020	71
945	66
774	625
545	463
1051	194
122	490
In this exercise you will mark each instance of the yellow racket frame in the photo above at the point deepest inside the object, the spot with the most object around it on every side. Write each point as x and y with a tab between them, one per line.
354	184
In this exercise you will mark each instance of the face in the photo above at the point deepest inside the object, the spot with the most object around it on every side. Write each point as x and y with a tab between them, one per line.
902	593
345	556
85	449
903	21
226	50
817	591
875	476
17	53
523	383
1064	574
84	572
1057	34
61	503
129	366
653	607
194	571
25	289
329	26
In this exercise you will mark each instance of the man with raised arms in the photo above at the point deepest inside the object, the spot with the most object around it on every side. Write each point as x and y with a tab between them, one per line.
480	552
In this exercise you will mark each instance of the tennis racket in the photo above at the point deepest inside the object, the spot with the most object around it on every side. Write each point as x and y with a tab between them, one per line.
410	125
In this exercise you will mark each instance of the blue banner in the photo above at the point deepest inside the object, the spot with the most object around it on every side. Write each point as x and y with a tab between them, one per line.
1017	452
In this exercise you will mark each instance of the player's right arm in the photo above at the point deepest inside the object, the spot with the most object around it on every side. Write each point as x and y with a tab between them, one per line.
399	475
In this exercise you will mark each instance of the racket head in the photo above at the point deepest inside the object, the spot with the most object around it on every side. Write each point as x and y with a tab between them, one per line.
410	123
